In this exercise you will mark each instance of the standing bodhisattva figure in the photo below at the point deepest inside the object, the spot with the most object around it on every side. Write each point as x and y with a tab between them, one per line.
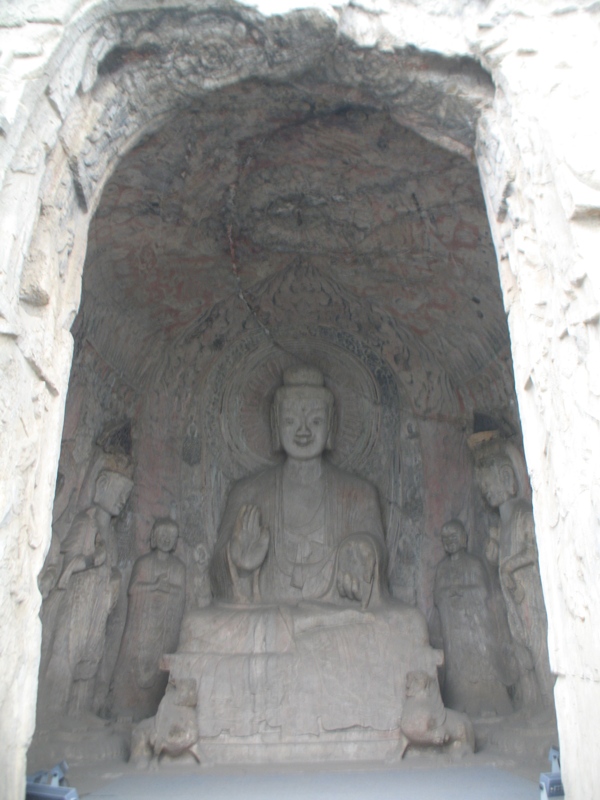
515	551
85	593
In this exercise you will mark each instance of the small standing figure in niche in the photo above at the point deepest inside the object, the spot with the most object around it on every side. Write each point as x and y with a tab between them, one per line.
156	603
86	587
500	474
476	678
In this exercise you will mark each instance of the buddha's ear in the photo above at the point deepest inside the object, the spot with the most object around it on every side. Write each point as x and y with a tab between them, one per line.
332	428
275	440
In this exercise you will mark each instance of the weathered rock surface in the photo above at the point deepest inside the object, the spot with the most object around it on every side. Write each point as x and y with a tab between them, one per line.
84	82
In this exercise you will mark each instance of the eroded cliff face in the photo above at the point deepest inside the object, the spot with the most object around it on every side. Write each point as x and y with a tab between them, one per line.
300	184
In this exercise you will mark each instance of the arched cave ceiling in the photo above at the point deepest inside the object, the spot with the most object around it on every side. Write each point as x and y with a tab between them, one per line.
260	177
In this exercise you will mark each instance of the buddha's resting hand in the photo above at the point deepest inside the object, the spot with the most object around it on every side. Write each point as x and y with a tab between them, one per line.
356	568
250	541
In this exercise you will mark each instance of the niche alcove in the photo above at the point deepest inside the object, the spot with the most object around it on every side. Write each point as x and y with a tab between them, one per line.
268	224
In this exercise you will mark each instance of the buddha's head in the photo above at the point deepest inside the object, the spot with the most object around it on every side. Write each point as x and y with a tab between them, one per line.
112	491
164	535
303	414
454	536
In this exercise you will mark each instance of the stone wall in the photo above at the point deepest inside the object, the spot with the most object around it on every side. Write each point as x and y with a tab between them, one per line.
83	82
539	169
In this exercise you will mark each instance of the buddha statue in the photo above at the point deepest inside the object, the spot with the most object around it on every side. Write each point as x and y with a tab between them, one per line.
303	530
302	654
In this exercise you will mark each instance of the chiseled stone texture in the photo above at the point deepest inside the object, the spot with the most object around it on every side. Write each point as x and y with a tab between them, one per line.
82	82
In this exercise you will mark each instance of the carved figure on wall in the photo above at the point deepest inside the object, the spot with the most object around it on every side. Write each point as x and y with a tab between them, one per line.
500	474
285	529
156	597
425	720
81	587
302	648
173	731
476	675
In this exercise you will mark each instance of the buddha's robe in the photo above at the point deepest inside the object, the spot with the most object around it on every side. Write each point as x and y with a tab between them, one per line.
301	669
300	563
300	663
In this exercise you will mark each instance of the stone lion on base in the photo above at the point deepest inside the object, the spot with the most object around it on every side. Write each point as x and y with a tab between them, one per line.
425	721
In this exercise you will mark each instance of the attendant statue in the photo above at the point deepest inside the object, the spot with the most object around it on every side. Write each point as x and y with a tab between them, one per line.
302	653
81	587
156	601
500	475
303	530
476	675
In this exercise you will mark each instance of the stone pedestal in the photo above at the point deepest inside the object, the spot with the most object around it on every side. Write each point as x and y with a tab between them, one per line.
303	683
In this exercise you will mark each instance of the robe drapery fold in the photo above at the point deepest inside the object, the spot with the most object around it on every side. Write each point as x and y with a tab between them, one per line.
299	568
155	610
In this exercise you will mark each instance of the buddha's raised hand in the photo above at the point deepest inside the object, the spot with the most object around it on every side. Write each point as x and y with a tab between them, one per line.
250	541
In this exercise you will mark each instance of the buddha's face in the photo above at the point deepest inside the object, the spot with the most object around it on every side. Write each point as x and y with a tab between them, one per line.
303	426
454	538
